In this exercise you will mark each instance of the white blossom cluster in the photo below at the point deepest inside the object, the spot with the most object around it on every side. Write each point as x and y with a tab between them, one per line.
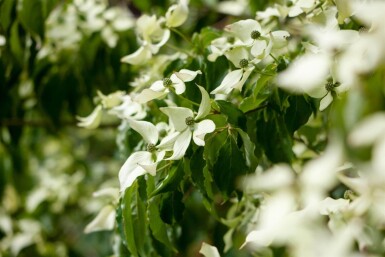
70	23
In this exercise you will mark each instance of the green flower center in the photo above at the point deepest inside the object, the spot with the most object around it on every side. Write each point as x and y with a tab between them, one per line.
363	29
255	34
151	148
330	85
243	63
167	82
190	121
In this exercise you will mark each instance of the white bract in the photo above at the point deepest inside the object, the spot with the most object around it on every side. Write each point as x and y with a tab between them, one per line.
177	14
105	220
129	109
161	88
209	250
142	162
93	120
188	125
151	36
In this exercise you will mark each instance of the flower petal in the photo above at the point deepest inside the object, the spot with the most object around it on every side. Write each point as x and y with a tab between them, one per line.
205	106
305	73
181	144
228	82
168	141
146	129
178	84
201	129
148	94
158	86
242	29
130	169
209	251
245	76
259	48
368	131
187	75
325	101
177	116
105	220
141	56
93	120
236	54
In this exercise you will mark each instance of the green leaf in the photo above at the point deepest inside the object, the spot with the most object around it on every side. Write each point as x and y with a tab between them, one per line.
158	227
259	95
212	145
134	220
6	10
204	38
197	163
172	207
229	166
234	115
171	181
275	138
248	149
215	72
298	112
30	14
17	48
52	97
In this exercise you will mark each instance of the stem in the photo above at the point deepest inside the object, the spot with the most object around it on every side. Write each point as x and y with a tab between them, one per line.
178	49
263	73
258	108
181	35
275	59
164	166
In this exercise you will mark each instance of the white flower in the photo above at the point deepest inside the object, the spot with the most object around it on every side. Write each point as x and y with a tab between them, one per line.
236	78
161	88
129	109
92	121
151	35
233	7
105	220
139	57
188	126
111	100
320	175
2	40
134	167
209	251
177	14
301	6
142	162
250	33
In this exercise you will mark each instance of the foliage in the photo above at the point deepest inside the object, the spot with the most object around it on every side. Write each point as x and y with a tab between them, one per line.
253	126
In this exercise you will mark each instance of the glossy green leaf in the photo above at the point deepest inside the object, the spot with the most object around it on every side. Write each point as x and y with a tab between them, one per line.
248	149
171	207
234	115
158	227
229	166
171	181
134	220
30	14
